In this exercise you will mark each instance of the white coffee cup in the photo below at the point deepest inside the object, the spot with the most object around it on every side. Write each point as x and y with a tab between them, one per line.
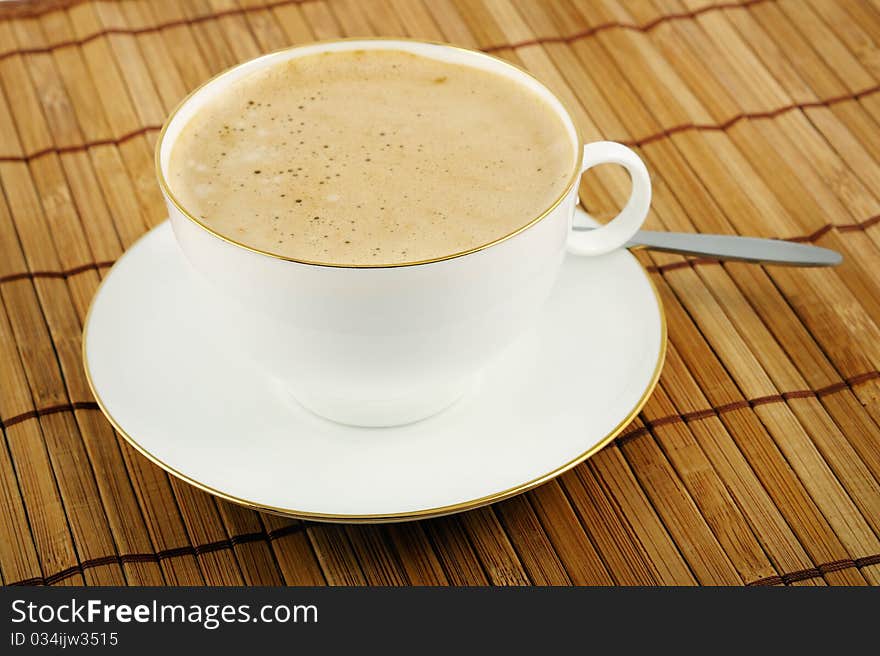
381	346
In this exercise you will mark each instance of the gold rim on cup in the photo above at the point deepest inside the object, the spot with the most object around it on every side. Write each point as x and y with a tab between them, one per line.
166	189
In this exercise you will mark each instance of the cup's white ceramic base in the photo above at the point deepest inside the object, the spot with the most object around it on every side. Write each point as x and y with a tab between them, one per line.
382	414
560	393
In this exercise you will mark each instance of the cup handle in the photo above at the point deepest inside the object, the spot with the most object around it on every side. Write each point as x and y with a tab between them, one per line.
622	227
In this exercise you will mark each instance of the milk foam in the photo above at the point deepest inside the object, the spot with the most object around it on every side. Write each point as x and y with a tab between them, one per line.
370	157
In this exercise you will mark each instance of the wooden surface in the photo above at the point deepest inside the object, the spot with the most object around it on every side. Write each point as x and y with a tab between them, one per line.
756	461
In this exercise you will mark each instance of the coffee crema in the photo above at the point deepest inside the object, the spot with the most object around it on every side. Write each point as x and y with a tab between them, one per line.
370	157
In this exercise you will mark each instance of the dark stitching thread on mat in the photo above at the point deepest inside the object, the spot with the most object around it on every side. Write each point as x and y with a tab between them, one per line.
752	115
51	410
861	225
24	11
272	5
195	19
629	142
92	266
697	415
818	571
75	148
259	536
644	27
854	380
684	264
791	577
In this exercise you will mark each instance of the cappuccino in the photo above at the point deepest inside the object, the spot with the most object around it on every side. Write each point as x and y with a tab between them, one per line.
371	157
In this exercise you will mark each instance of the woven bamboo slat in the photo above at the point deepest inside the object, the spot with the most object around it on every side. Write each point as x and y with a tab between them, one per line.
755	461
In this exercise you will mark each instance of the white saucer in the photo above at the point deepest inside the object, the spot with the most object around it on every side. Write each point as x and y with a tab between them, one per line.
557	396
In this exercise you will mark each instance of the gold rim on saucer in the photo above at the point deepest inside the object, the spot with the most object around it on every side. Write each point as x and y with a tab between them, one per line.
425	513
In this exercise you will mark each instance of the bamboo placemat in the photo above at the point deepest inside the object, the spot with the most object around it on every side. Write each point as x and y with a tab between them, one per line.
757	459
